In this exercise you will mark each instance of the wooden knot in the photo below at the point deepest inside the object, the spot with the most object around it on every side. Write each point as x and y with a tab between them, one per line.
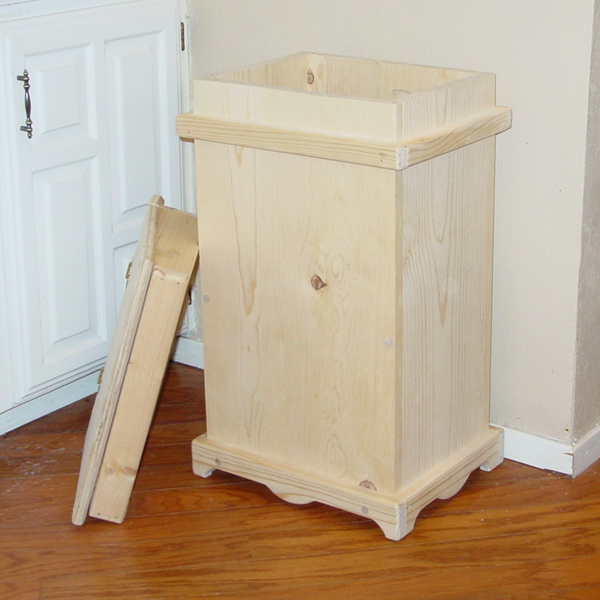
317	282
368	485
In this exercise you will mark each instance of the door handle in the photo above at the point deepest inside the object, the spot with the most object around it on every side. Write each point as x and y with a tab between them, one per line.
28	127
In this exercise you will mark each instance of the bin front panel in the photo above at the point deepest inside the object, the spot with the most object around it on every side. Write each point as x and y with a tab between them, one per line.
299	310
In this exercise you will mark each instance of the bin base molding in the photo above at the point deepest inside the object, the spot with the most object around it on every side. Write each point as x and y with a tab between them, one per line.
395	514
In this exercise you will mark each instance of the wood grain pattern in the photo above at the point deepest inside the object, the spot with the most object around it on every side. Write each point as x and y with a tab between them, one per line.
116	363
346	227
149	356
516	532
394	513
397	155
174	257
389	115
263	255
359	150
447	221
344	76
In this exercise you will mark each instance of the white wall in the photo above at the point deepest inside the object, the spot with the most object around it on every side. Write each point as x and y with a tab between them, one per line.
586	407
540	51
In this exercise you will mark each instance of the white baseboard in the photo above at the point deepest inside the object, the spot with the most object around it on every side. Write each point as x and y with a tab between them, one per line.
587	451
552	455
38	407
189	352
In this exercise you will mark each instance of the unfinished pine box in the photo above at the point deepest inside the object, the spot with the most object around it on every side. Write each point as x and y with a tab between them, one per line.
345	220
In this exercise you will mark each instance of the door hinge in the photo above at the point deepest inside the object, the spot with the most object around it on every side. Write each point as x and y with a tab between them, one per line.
182	30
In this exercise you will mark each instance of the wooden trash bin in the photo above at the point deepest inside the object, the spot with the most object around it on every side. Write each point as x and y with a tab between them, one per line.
345	213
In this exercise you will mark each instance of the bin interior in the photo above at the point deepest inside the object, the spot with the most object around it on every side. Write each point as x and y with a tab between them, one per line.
342	76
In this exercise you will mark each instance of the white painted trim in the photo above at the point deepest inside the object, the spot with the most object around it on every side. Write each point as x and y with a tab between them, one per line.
34	409
552	455
537	451
13	10
189	352
186	351
586	451
188	175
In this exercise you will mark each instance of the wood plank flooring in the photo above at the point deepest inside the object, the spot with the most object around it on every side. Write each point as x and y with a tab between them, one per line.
517	532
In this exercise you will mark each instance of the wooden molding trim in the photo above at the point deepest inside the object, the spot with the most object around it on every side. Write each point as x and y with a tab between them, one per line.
396	155
395	514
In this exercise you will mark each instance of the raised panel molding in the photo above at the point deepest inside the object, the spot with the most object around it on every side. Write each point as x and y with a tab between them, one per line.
74	279
69	116
67	282
132	69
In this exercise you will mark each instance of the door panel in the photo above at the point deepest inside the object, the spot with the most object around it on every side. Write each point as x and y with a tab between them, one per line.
104	95
66	279
73	308
132	72
63	250
63	110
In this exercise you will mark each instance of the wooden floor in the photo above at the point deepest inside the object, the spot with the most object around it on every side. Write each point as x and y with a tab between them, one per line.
514	533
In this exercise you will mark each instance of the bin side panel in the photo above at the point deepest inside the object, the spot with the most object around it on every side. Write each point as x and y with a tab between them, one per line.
286	108
362	78
446	301
289	72
439	107
344	76
297	371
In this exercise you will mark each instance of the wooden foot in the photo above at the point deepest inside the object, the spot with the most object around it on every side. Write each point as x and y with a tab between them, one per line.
452	490
495	460
202	469
291	496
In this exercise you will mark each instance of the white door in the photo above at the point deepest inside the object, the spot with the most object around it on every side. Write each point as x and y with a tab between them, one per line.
103	94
